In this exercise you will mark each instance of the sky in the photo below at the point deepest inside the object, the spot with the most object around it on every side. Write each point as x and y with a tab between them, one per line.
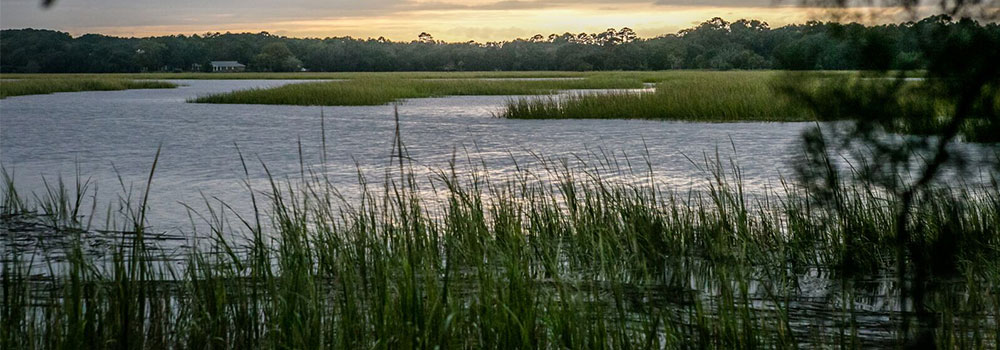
398	20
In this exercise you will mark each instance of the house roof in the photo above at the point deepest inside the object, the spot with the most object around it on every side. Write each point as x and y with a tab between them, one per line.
227	64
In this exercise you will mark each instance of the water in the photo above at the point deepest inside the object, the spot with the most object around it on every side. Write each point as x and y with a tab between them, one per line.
112	133
104	135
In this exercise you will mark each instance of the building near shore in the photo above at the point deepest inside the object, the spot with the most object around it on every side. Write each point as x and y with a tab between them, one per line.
228	66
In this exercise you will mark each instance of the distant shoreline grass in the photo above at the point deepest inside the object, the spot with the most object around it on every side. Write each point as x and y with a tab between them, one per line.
308	75
22	87
645	76
693	96
754	97
381	88
379	91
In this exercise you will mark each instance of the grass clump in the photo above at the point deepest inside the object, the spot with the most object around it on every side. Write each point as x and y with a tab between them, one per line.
22	87
309	75
690	96
378	91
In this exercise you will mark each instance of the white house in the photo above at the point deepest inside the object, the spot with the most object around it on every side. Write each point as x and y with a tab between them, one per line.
227	66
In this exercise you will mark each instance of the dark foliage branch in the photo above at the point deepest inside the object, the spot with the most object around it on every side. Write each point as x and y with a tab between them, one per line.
957	94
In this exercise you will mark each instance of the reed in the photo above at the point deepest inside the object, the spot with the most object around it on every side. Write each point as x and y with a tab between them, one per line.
379	91
307	75
20	87
694	96
465	260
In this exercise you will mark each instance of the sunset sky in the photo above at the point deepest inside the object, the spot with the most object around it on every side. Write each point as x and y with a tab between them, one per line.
401	20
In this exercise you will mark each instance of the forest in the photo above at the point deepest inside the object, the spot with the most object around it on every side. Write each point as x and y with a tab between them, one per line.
714	44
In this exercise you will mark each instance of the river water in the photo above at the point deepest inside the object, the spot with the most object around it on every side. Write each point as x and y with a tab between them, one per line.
107	134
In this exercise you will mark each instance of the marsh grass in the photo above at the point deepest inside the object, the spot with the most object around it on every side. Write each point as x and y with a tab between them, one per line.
763	97
645	76
904	106
308	75
22	87
379	91
691	92
467	260
694	96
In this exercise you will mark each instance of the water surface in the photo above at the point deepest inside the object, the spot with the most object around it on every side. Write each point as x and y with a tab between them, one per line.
110	133
104	135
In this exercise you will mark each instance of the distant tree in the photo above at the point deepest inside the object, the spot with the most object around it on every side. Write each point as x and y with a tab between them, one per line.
713	44
800	54
426	38
276	57
205	66
149	55
626	35
608	37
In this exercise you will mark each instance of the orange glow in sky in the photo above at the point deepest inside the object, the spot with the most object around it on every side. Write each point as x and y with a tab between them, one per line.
399	20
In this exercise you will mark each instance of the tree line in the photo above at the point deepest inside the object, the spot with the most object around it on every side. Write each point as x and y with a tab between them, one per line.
713	44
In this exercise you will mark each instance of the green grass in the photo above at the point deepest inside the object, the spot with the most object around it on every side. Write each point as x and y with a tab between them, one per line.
499	263
765	97
689	96
47	86
307	75
646	76
378	91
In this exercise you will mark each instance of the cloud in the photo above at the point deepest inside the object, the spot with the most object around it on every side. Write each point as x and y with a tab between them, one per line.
722	3
452	20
